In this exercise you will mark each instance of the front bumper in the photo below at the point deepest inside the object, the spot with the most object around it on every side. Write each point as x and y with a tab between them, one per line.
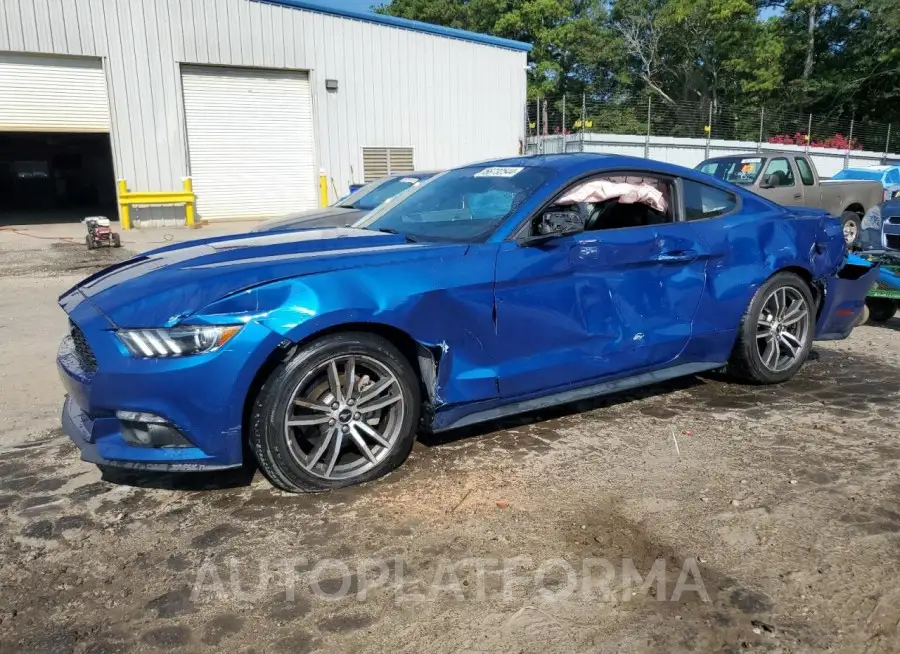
844	298
203	396
106	447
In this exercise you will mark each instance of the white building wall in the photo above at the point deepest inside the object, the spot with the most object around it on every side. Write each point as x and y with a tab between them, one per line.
689	152
452	100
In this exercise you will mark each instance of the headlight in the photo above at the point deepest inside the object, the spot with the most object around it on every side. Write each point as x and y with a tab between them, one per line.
177	341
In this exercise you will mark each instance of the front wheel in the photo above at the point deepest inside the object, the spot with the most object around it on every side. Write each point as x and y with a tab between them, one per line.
850	225
776	332
342	411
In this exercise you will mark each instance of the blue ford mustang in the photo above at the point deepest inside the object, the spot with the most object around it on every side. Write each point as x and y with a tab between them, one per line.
488	290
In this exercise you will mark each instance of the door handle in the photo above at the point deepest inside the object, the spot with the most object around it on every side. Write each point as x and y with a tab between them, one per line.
798	196
676	256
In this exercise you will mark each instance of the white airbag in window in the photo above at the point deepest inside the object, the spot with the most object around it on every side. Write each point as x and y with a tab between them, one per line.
600	189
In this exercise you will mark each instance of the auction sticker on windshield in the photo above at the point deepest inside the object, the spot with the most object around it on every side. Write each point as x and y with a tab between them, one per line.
410	180
498	171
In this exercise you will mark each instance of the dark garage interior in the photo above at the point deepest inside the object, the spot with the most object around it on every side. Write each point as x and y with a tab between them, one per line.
55	177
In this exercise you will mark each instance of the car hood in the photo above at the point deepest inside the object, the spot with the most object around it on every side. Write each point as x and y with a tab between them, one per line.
163	286
327	217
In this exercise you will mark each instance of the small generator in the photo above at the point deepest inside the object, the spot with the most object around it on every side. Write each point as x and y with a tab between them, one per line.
100	234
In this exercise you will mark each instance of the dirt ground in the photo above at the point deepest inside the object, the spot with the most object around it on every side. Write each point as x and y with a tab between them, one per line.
769	515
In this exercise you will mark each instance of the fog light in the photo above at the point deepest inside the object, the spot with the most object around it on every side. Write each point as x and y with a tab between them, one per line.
149	430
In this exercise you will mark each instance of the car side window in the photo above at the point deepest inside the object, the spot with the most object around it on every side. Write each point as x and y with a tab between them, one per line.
893	176
779	173
618	201
806	173
702	201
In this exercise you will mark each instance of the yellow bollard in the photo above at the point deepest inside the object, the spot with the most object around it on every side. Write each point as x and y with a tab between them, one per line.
189	217
124	210
323	189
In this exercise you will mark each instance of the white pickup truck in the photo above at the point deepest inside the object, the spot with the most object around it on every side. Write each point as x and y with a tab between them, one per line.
790	178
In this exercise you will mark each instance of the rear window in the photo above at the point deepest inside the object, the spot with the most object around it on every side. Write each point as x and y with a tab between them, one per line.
737	170
702	201
806	173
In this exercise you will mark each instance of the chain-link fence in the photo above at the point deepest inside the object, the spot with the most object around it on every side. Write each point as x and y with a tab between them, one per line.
652	116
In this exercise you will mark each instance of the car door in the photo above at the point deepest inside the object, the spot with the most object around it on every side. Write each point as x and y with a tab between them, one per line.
597	304
781	182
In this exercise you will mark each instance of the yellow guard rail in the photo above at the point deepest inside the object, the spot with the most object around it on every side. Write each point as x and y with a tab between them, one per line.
128	199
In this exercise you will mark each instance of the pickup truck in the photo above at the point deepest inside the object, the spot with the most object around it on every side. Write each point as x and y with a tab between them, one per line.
790	178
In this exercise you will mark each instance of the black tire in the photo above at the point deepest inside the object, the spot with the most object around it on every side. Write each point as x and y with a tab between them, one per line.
881	309
745	363
267	437
89	242
117	241
851	218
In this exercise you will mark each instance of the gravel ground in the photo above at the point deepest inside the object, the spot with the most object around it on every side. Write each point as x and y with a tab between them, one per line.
693	516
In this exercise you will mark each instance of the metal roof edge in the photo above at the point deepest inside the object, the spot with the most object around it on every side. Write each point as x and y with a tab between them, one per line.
404	23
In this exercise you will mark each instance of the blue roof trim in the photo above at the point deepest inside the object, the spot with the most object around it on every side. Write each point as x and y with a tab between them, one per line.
404	23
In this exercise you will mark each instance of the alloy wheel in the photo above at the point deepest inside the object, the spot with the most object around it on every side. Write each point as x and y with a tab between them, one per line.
345	416
782	328
851	231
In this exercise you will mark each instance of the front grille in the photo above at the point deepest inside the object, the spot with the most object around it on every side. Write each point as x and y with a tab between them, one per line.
893	241
82	350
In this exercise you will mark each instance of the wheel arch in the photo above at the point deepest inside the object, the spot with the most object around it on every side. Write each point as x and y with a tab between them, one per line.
857	208
423	359
817	288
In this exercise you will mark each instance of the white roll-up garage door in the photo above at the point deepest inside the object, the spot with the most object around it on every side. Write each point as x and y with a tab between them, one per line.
52	94
250	139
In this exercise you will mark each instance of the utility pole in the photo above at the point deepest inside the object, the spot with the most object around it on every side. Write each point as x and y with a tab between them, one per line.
808	133
887	142
762	118
849	143
583	117
647	138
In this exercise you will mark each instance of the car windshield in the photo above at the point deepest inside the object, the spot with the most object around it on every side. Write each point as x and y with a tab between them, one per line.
463	205
737	170
857	173
377	193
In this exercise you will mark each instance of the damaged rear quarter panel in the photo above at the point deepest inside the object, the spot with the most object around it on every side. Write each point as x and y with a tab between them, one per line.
750	246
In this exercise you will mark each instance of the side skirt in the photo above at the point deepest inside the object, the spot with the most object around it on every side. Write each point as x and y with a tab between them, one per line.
575	394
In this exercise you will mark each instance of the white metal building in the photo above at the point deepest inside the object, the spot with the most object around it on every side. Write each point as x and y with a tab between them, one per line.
250	98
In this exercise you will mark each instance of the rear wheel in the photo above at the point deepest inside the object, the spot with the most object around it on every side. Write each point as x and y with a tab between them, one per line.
89	241
776	331
881	309
342	411
850	225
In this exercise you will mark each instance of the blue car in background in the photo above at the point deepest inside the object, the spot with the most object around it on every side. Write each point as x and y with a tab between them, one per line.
880	227
349	209
492	289
889	176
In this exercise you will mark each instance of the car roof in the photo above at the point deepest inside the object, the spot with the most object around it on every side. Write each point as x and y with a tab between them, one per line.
766	154
413	173
576	163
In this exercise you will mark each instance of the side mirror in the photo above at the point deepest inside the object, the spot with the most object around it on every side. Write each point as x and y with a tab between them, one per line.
766	182
555	222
